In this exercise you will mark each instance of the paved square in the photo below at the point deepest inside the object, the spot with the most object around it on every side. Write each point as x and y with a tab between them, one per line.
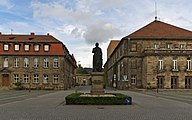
51	107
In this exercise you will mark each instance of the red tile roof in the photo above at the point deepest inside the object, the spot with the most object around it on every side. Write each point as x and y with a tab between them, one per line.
158	29
56	47
27	38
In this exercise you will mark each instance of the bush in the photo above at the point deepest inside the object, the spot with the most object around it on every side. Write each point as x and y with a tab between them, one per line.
18	86
119	99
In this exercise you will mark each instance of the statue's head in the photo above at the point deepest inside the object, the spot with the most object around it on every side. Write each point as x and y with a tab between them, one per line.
96	44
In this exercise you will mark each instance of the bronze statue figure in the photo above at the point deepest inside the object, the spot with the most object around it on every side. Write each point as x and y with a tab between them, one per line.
97	58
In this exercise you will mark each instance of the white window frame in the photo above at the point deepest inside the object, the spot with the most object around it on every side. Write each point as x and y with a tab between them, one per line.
133	79
16	62
182	46
36	62
189	64
55	79
45	79
46	47
36	47
155	46
26	62
16	47
6	63
160	64
175	67
6	47
55	62
26	47
26	78
16	78
35	78
46	62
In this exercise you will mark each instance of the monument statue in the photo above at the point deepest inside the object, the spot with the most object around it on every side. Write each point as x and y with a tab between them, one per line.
97	58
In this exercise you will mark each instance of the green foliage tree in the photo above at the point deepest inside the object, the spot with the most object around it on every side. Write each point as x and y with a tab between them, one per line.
81	70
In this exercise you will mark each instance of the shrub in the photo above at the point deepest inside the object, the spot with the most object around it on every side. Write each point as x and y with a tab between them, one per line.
18	86
118	99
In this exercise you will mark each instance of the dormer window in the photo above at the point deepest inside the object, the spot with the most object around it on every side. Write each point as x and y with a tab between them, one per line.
36	47
26	47
46	48
16	47
6	47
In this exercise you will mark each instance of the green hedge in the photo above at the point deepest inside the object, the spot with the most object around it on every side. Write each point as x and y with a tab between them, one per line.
119	99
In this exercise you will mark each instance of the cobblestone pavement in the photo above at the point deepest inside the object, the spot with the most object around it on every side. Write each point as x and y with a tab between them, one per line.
52	107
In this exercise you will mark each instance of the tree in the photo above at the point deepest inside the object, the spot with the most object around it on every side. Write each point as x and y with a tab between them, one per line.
81	70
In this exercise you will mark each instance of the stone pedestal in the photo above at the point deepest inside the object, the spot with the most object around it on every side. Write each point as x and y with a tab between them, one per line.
97	83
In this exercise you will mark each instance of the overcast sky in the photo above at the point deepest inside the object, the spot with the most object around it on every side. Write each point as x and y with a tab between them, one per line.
79	24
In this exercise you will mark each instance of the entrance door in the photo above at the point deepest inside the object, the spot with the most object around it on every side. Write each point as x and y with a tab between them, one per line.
188	81
5	80
174	81
160	80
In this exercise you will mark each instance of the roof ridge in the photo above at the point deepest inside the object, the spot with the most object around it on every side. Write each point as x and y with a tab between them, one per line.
159	29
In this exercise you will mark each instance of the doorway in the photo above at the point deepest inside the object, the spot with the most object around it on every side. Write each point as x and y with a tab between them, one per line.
5	80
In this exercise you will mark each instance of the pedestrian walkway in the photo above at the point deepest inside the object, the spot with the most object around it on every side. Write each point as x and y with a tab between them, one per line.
8	96
179	95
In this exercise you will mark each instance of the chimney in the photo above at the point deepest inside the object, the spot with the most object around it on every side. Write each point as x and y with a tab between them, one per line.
48	34
0	33
32	33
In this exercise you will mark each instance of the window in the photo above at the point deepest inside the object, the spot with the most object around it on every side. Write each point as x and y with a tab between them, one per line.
56	79
16	62
26	47
36	48
175	64
55	63
168	46
160	64
155	46
46	63
174	82
189	65
36	62
26	78
133	79
182	46
35	78
134	47
6	47
16	47
46	79
46	48
5	63
133	63
26	62
16	78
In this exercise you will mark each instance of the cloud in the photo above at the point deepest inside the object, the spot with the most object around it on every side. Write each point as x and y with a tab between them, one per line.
100	32
6	3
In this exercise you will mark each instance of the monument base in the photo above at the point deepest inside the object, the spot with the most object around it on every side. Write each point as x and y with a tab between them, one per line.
97	83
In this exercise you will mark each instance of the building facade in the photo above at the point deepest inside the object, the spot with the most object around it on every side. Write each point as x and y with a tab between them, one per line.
35	61
83	79
158	55
112	45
